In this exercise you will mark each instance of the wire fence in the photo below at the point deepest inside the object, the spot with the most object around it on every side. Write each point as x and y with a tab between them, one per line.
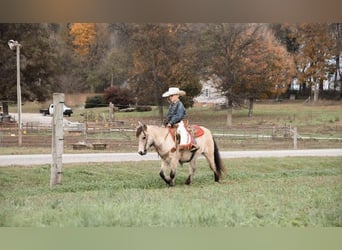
120	135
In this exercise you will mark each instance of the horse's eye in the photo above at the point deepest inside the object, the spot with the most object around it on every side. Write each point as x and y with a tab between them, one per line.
144	137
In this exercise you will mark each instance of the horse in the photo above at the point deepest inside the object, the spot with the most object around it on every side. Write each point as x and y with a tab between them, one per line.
164	142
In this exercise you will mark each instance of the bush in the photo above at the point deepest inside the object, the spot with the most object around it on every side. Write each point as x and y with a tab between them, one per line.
143	108
95	101
120	97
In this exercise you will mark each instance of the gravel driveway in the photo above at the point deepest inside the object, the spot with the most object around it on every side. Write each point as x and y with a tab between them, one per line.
34	118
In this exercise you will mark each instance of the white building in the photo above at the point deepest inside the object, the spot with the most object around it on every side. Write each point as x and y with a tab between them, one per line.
210	95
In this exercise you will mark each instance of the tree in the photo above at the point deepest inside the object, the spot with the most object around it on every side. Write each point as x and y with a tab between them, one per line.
38	57
266	71
117	65
226	45
336	30
162	57
89	42
248	61
83	37
316	48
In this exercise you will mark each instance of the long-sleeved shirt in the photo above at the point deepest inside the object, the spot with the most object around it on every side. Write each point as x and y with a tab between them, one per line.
176	113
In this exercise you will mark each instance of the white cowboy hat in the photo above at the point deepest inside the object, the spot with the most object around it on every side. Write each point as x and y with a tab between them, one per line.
173	91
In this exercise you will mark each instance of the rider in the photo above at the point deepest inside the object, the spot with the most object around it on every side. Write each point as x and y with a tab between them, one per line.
176	115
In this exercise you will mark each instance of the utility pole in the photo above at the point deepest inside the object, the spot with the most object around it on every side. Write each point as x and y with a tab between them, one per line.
15	45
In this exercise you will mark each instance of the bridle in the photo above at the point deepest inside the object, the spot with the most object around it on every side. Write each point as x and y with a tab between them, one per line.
146	140
146	145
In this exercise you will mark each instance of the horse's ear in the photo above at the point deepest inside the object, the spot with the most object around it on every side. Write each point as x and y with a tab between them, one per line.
141	125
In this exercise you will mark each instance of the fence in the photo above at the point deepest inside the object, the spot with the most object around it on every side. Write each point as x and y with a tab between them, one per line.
120	135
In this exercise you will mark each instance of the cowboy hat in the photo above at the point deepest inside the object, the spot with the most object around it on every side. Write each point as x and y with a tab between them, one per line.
173	91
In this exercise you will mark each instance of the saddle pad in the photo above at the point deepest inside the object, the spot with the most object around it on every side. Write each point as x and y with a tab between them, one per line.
196	130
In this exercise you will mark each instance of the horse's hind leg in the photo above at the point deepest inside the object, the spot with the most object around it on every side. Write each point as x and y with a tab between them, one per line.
211	161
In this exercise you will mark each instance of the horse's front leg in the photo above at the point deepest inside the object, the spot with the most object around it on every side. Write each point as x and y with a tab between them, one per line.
168	179
173	168
163	171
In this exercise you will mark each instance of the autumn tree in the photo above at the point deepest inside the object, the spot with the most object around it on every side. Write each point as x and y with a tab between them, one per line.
267	70
83	37
223	47
90	45
316	48
249	62
162	58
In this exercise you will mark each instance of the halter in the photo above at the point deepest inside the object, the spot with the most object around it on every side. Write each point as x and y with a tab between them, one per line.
146	146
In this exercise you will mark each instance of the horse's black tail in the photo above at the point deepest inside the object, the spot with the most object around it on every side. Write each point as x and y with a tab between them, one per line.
220	169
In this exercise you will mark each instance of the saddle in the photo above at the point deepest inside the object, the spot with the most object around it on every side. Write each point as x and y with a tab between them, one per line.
194	131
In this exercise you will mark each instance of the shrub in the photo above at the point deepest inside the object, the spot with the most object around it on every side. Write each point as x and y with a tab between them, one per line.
120	97
95	101
143	108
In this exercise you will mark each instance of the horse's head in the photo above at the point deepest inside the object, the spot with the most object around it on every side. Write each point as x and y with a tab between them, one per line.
144	141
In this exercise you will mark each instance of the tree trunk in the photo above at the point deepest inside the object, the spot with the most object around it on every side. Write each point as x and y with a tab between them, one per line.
321	86
304	87
230	114
250	107
5	108
316	93
159	100
161	114
338	73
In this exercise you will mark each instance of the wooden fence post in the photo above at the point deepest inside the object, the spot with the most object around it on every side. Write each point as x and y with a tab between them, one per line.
57	139
295	137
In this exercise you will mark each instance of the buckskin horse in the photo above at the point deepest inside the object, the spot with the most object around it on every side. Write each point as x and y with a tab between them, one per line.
165	143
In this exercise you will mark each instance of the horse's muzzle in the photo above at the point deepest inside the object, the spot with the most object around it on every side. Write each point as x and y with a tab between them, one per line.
142	152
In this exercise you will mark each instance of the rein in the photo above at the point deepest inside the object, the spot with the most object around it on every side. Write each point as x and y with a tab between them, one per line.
145	146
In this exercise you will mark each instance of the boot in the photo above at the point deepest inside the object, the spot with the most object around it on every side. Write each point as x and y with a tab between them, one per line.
194	147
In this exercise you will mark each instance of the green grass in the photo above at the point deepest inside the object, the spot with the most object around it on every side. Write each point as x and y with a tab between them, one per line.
284	192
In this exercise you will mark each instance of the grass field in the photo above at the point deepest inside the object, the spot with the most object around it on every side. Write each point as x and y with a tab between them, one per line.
284	192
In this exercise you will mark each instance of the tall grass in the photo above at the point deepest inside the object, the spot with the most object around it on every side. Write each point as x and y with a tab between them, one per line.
295	192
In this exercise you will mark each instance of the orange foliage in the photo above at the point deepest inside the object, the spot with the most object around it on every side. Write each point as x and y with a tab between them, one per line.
83	37
267	69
